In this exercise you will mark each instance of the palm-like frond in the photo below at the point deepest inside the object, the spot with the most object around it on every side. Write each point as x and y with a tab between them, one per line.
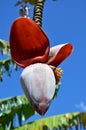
20	106
61	122
4	47
5	64
10	107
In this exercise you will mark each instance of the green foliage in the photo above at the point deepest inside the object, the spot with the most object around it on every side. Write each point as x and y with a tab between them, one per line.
32	1
5	65
12	106
56	90
20	106
60	122
4	47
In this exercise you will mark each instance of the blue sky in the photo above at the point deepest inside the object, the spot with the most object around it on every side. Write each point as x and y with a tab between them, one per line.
63	21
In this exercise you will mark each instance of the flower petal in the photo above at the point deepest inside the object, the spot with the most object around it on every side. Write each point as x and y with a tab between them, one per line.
59	53
38	82
28	42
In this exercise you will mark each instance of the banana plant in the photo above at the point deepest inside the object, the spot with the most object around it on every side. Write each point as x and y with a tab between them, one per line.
45	60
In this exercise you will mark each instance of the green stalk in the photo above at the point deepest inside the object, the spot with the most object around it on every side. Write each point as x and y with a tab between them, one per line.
38	12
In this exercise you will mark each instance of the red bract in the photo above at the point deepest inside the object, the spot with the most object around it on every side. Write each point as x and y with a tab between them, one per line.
59	53
28	42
